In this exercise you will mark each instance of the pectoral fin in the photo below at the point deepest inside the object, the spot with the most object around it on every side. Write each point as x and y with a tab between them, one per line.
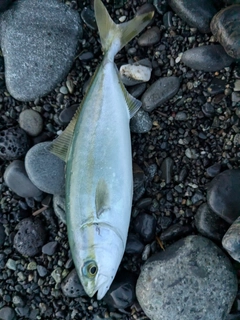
101	197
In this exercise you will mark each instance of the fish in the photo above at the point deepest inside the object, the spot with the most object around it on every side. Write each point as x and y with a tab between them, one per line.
96	146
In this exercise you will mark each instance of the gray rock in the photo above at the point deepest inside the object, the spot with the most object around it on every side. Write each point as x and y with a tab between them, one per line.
223	195
31	121
42	271
137	90
71	285
231	240
66	115
209	224
159	92
191	279
50	248
17	180
43	52
7	313
225	27
30	237
207	58
59	207
14	143
141	122
197	14
149	37
213	170
44	169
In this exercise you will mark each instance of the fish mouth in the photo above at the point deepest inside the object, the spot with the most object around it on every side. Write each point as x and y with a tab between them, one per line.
103	285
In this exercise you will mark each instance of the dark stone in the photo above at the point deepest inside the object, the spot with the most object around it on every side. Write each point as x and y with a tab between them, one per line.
207	58
213	170
30	237
121	294
223	195
5	4
133	245
7	313
209	224
197	14
216	86
71	285
88	17
167	19
149	37
226	29
137	90
145	225
175	232
167	169
50	248
14	143
2	235
208	110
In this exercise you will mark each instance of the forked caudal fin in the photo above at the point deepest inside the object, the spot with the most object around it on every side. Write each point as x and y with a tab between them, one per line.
115	36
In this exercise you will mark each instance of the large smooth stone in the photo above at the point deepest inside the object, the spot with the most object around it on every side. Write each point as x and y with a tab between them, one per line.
191	279
207	58
45	170
197	14
225	26
223	195
231	240
38	42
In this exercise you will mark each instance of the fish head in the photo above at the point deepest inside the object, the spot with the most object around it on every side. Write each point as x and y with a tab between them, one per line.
99	259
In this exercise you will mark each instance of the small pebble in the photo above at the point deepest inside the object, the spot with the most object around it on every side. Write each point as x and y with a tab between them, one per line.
71	285
149	37
50	248
145	226
31	121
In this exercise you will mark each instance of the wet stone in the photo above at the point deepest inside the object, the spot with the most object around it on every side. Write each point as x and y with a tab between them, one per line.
7	313
196	14
14	143
213	170
121	293
207	58
216	86
145	226
159	92
225	26
45	170
17	180
167	19
178	283
175	232
231	240
161	6
141	122
88	17
50	248
71	285
44	50
30	237
134	244
149	37
208	110
223	195
167	169
209	224
2	235
31	121
137	90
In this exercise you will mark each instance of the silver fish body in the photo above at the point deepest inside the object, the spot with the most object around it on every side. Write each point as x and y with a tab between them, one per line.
96	146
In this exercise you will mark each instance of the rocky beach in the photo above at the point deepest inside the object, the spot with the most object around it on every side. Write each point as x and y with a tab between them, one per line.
182	257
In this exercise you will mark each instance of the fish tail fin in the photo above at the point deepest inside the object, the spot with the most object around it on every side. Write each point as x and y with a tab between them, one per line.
116	36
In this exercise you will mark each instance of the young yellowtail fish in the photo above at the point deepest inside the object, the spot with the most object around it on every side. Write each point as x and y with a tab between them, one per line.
96	146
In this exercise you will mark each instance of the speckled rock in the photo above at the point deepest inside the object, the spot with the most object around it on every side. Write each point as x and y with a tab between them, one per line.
17	180
159	92
191	279
43	52
209	224
31	121
141	122
14	143
30	237
223	195
231	240
225	26
197	14
207	58
71	285
45	170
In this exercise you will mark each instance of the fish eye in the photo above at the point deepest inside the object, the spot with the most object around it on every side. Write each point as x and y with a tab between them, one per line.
90	269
